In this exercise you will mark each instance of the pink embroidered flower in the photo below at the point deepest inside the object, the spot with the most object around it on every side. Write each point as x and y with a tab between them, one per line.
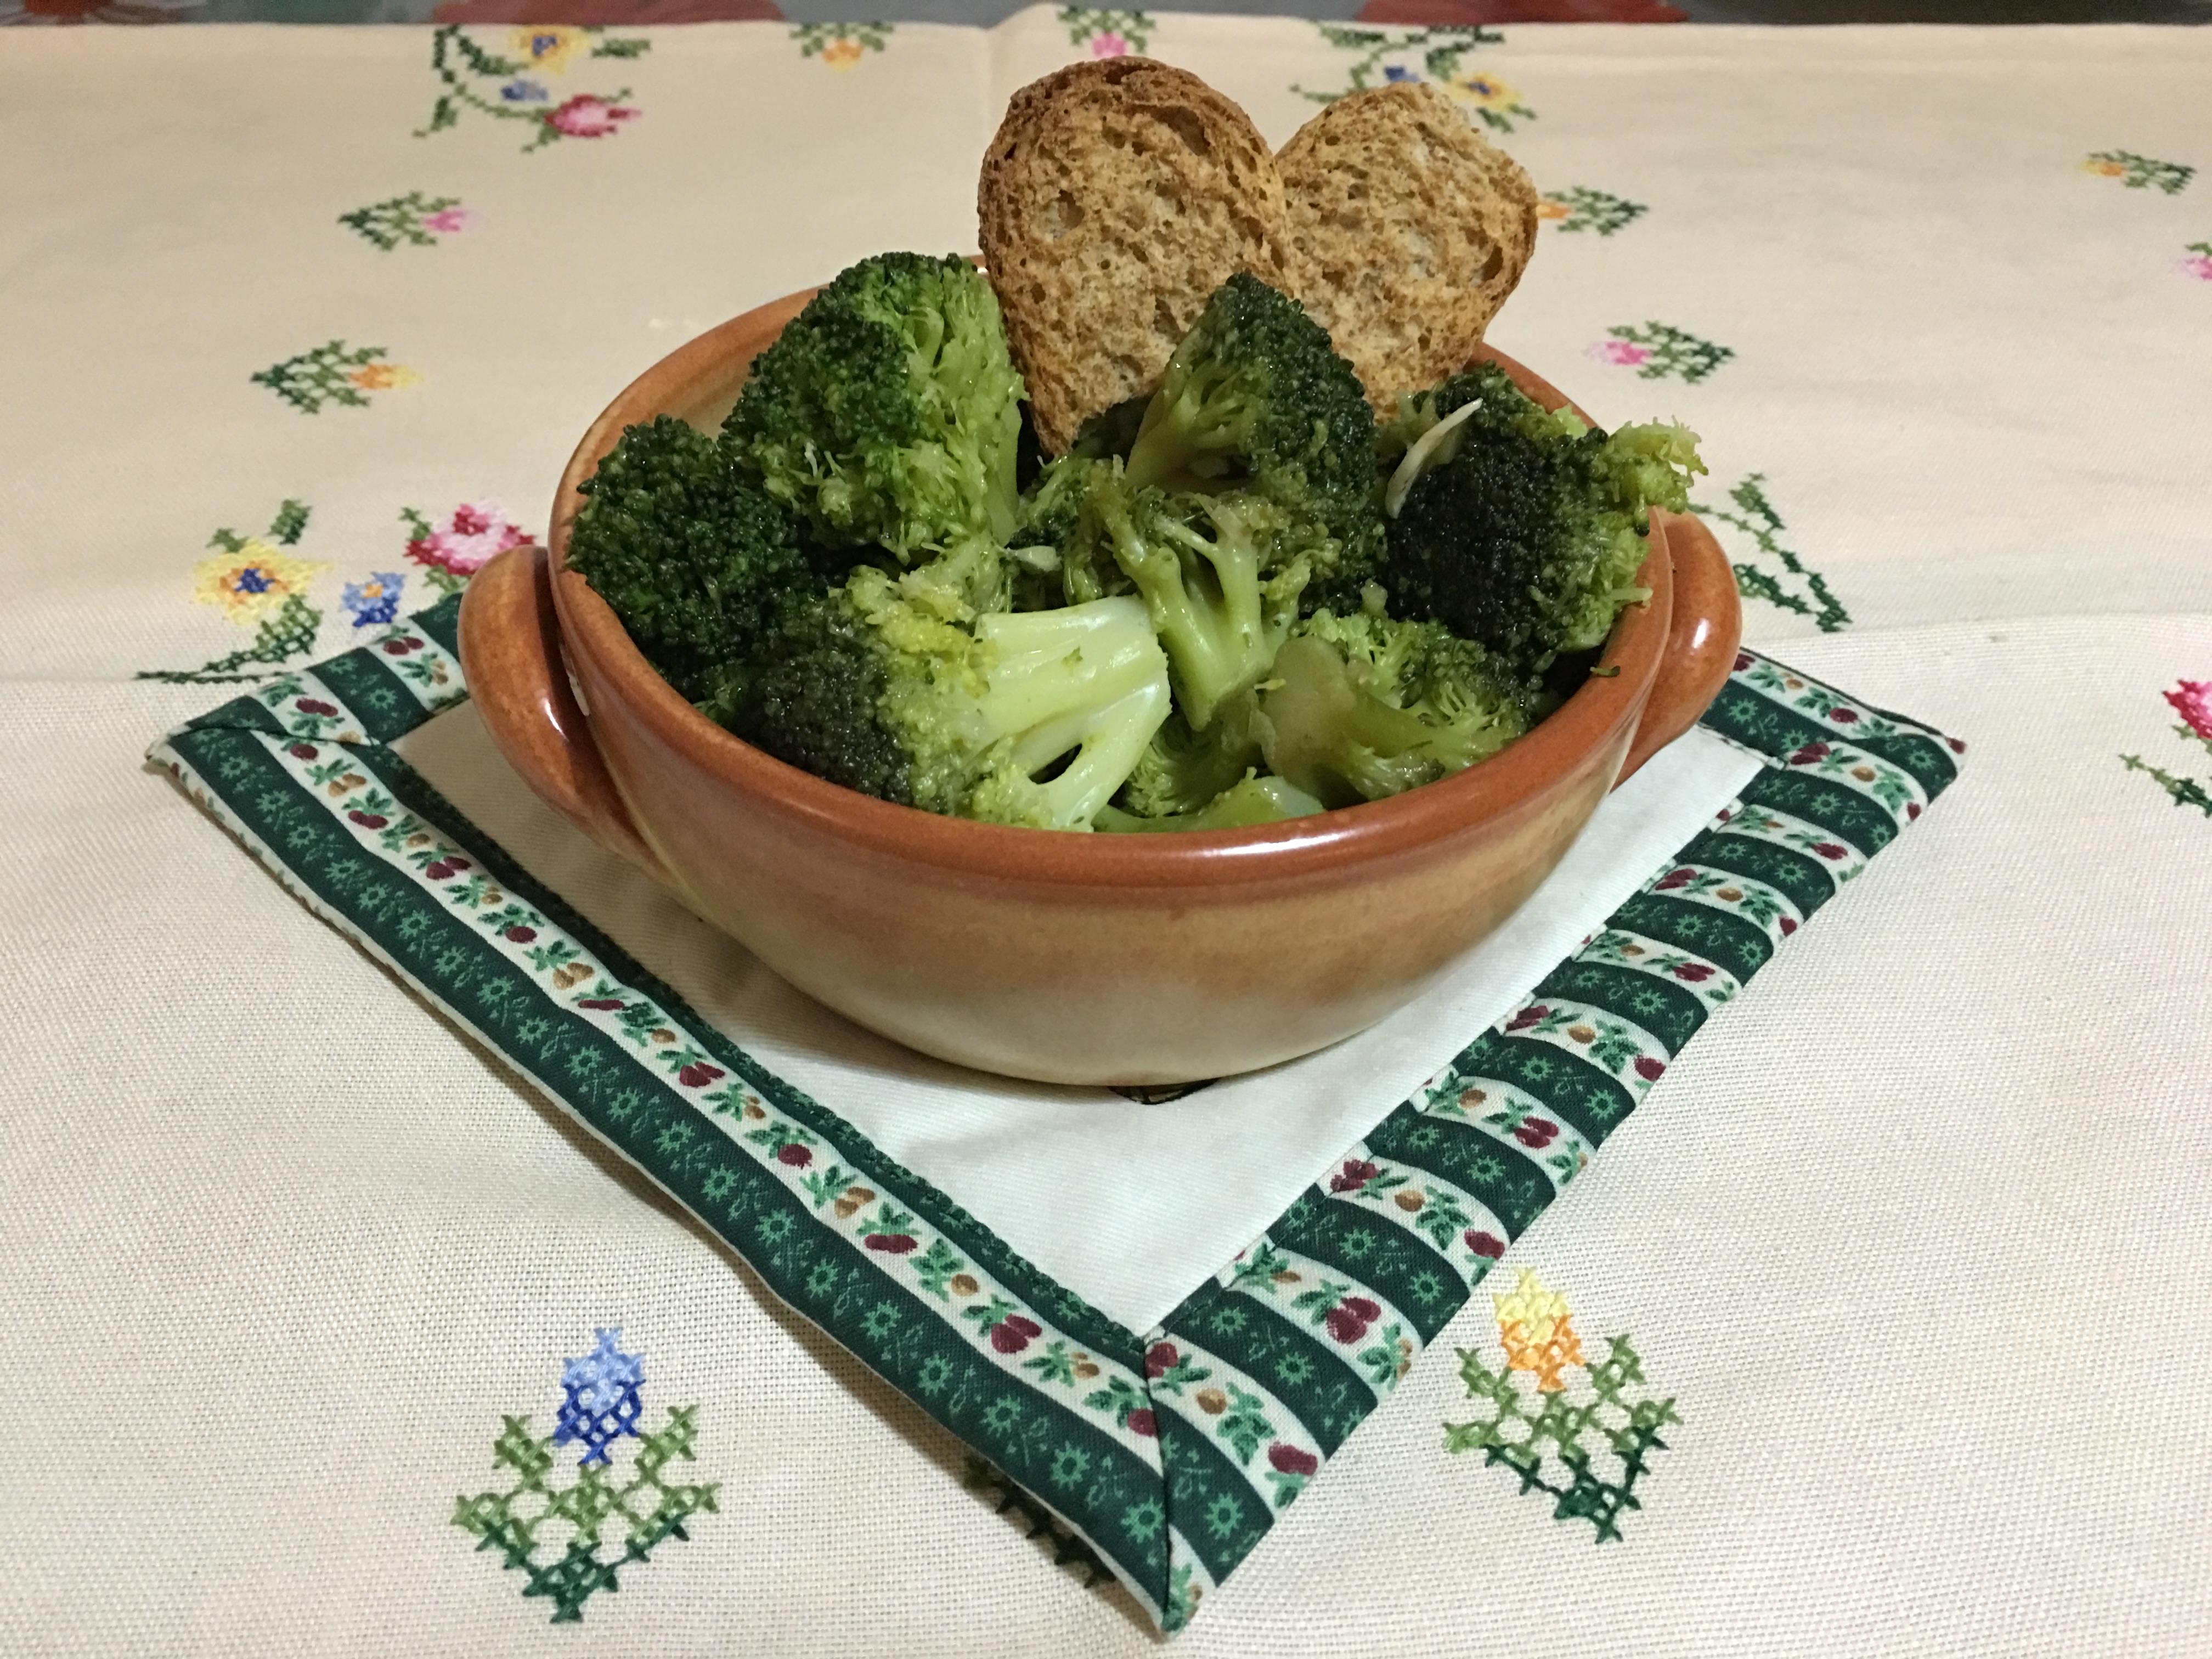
447	221
2198	265
2192	701
476	532
1108	45
1625	353
586	116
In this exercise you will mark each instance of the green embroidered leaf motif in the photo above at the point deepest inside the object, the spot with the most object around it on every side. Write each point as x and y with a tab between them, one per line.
1244	1425
1793	587
935	1268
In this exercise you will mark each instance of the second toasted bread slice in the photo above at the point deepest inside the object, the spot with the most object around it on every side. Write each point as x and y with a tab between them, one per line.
1116	197
1407	231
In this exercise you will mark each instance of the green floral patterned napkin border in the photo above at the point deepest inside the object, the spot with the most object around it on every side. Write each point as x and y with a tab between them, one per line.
1170	1452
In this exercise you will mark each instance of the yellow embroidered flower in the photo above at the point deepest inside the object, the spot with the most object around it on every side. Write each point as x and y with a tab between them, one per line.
1534	1324
841	53
384	376
251	582
1548	208
549	46
2106	169
1483	91
1531	1306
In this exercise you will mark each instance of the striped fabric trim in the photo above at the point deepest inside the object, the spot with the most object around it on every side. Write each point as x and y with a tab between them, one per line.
1172	1453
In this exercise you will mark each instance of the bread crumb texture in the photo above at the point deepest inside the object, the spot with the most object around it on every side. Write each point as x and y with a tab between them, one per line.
1116	197
1408	230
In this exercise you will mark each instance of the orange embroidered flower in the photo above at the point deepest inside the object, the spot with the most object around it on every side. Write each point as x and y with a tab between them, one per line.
841	53
384	376
1548	208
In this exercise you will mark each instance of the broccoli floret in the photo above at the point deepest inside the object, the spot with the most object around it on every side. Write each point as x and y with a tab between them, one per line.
897	686
1360	708
1256	396
1520	530
1250	801
889	412
1182	770
699	565
1220	574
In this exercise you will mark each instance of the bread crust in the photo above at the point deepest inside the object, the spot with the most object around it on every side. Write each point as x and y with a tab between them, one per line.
1408	230
1116	197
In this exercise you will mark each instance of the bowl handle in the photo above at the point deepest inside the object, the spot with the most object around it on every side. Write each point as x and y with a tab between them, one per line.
1701	645
511	655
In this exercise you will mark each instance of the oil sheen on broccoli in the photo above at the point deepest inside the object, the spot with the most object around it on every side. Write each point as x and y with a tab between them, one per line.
1524	530
900	686
887	414
700	565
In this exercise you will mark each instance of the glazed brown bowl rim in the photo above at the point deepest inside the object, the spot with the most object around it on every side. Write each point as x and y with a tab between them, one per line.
1518	778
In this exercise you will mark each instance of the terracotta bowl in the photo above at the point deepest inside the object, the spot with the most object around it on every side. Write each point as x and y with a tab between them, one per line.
1060	957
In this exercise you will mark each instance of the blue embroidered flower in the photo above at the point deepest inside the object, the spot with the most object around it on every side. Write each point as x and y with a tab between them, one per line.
1397	72
252	579
374	602
520	91
601	1403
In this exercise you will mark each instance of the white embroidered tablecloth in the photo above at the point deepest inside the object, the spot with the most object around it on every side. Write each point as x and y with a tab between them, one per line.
299	327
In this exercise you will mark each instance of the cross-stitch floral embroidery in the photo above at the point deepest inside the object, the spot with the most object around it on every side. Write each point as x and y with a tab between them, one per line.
840	45
1795	587
1107	33
1581	1433
1656	350
1482	95
1580	209
414	219
334	373
472	537
257	585
2192	701
502	88
2140	171
2199	262
374	601
554	1532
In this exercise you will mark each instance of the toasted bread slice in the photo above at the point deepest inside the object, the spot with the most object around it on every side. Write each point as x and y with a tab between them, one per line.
1407	231
1116	197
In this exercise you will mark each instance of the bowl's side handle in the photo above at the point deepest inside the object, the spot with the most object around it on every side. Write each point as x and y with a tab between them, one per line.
1701	645
511	653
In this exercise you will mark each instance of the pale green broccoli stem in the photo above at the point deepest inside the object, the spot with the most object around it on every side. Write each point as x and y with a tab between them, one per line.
1185	438
1252	801
1090	678
1204	600
1322	730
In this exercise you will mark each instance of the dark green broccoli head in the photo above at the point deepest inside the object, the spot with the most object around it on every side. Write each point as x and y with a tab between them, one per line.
889	411
1520	530
1256	397
700	566
899	686
815	700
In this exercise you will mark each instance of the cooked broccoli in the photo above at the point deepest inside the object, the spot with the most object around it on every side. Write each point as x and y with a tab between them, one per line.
1256	396
889	412
1220	574
897	686
1520	529
699	565
1182	771
1359	708
1250	801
